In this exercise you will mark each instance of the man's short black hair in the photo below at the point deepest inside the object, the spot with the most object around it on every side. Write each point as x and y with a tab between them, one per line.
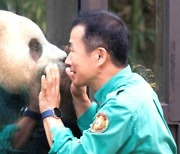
107	30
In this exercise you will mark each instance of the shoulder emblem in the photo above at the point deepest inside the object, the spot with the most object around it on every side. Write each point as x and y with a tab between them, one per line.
100	123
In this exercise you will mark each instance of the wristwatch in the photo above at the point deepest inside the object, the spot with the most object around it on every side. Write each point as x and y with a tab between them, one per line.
29	113
56	113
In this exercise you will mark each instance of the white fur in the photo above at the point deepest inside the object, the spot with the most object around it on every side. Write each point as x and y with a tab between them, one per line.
17	67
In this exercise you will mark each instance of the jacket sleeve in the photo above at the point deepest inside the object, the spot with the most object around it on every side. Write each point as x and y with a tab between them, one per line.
87	118
109	141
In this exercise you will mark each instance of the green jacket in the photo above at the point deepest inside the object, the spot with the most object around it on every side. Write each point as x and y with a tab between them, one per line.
126	118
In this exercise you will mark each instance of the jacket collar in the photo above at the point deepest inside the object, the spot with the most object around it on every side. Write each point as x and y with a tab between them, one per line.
117	81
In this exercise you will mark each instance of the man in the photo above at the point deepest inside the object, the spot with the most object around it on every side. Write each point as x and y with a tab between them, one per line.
127	116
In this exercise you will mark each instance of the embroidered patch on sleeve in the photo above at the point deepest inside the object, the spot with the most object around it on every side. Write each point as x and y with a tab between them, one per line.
100	123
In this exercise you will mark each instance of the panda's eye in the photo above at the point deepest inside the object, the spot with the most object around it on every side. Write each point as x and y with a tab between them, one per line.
35	49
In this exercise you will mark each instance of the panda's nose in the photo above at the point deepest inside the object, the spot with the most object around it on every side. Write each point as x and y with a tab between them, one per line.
64	59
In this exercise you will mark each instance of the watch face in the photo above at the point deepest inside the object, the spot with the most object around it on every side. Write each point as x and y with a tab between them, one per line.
57	112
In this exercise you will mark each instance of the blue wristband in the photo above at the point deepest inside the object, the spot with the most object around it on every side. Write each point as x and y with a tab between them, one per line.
56	112
32	114
47	113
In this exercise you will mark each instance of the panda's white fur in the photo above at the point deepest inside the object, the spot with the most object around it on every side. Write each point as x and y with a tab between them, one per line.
17	65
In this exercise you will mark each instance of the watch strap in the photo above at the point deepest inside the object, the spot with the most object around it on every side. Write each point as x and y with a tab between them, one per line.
47	113
32	114
56	113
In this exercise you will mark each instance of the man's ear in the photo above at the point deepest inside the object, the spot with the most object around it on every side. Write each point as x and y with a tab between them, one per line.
101	55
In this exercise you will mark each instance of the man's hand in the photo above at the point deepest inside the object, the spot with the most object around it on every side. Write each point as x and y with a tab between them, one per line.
49	96
76	91
79	94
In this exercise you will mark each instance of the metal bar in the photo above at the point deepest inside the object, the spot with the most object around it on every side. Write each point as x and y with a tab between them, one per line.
174	62
60	14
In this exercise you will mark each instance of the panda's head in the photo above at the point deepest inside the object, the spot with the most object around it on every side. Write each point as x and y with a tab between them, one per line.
24	52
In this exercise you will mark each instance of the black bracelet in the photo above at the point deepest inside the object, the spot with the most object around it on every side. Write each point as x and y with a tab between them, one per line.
32	114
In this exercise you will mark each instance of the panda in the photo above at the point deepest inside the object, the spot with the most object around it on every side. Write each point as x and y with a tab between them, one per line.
24	54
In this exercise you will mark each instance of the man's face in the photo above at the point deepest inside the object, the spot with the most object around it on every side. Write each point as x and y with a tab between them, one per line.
82	64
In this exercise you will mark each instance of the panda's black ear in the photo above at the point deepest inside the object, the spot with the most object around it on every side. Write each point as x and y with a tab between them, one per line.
35	49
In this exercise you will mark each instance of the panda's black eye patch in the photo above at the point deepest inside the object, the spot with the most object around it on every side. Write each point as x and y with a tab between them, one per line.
35	49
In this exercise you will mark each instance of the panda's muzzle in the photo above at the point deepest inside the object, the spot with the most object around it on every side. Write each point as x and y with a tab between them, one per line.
41	68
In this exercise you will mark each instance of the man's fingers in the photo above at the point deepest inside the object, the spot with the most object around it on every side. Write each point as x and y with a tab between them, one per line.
69	73
57	77
48	73
52	77
43	83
